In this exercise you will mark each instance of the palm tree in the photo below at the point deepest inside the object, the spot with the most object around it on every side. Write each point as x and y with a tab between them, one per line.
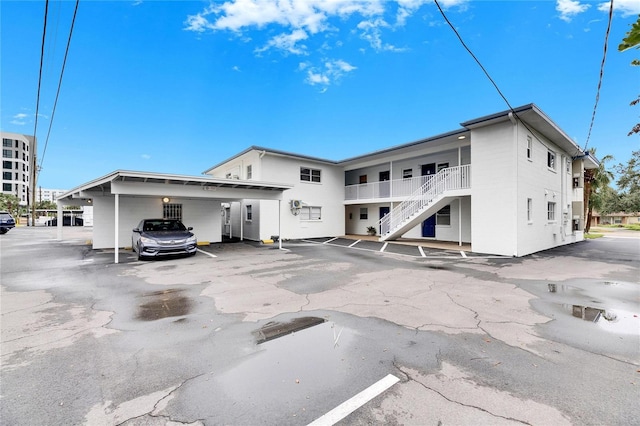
596	181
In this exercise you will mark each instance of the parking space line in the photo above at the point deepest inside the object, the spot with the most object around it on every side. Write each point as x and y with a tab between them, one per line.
208	254
357	401
421	251
333	239
463	254
384	247
357	241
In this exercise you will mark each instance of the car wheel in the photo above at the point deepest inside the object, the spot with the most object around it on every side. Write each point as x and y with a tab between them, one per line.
3	231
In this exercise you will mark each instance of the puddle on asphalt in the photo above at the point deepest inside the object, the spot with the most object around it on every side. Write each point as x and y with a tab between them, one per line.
613	320
163	304
273	330
318	356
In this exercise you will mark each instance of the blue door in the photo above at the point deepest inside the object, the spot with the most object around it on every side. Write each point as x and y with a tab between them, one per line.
429	227
383	212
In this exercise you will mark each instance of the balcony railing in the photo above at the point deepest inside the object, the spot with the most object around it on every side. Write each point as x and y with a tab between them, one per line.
398	188
450	179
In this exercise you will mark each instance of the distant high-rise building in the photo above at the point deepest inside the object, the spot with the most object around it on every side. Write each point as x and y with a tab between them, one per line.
43	194
16	165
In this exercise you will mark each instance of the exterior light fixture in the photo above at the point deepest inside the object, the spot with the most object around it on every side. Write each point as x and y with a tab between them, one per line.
166	200
462	137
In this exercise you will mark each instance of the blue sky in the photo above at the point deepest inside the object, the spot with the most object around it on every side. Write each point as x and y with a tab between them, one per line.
178	86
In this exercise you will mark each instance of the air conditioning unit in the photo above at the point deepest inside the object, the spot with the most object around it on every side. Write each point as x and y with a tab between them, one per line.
236	177
296	204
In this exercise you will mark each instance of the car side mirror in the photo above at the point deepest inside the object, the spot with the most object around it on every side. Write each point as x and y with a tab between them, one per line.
137	230
190	228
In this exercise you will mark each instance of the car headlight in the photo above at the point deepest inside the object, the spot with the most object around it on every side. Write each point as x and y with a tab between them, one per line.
145	240
192	239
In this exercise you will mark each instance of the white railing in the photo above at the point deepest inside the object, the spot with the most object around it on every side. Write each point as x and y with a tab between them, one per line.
448	179
384	189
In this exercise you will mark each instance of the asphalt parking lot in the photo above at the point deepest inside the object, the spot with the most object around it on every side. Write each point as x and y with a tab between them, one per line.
325	332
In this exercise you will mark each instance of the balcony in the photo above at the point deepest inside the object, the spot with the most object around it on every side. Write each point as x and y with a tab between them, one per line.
399	189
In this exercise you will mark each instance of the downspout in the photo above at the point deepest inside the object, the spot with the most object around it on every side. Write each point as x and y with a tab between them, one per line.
391	179
514	121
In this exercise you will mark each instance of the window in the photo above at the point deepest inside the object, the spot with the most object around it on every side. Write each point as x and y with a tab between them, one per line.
7	165
443	216
172	211
529	210
6	187
249	212
7	143
364	213
6	175
6	153
576	182
309	175
551	160
529	147
551	211
249	172
310	213
363	179
442	166
407	173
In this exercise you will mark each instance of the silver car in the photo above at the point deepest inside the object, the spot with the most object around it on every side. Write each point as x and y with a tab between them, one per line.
163	237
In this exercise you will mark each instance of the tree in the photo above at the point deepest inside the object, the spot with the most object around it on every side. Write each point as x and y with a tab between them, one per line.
596	184
46	205
632	40
11	204
629	184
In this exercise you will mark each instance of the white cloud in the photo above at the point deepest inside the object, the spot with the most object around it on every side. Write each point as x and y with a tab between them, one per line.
18	122
236	68
145	157
569	8
626	7
287	43
329	72
20	116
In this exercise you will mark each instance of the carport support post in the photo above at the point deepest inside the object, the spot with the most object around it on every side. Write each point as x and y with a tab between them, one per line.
280	224
117	227
59	219
460	221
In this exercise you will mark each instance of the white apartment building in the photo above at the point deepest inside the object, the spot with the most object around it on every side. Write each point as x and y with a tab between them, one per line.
16	165
509	183
44	194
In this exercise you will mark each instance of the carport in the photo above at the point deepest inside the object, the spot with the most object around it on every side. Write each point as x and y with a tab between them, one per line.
121	198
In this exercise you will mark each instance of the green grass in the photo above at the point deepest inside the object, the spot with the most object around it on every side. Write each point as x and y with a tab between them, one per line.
633	227
591	236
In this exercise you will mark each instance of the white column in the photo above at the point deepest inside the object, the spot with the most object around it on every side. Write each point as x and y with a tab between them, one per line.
460	221
117	227
59	219
243	215
280	224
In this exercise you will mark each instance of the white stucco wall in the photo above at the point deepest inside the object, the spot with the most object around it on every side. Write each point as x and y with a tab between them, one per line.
494	189
202	215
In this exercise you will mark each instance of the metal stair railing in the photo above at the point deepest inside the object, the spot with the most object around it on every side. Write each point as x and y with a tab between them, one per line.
458	177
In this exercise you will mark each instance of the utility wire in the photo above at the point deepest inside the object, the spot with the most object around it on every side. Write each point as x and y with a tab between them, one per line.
44	34
64	63
604	58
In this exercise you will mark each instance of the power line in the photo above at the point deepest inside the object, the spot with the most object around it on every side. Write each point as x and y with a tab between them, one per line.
64	63
604	57
44	35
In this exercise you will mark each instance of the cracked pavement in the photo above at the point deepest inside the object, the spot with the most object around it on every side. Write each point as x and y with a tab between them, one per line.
474	341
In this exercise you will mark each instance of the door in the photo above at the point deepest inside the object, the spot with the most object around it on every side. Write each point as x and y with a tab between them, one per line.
384	184
429	225
383	212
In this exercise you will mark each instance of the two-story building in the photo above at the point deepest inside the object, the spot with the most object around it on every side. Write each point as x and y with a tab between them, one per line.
509	183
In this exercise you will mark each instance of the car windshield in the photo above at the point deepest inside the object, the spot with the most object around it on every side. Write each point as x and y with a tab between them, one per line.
163	225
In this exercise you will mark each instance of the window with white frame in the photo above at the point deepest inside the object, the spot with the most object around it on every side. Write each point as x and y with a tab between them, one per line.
172	211
7	143
310	213
7	153
529	147
529	210
249	172
364	213
407	173
309	175
551	211
248	212
551	160
443	216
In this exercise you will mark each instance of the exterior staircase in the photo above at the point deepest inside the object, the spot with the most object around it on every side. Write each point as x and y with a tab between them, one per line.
425	201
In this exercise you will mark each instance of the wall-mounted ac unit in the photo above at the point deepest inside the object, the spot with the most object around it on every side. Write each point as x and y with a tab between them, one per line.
296	204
